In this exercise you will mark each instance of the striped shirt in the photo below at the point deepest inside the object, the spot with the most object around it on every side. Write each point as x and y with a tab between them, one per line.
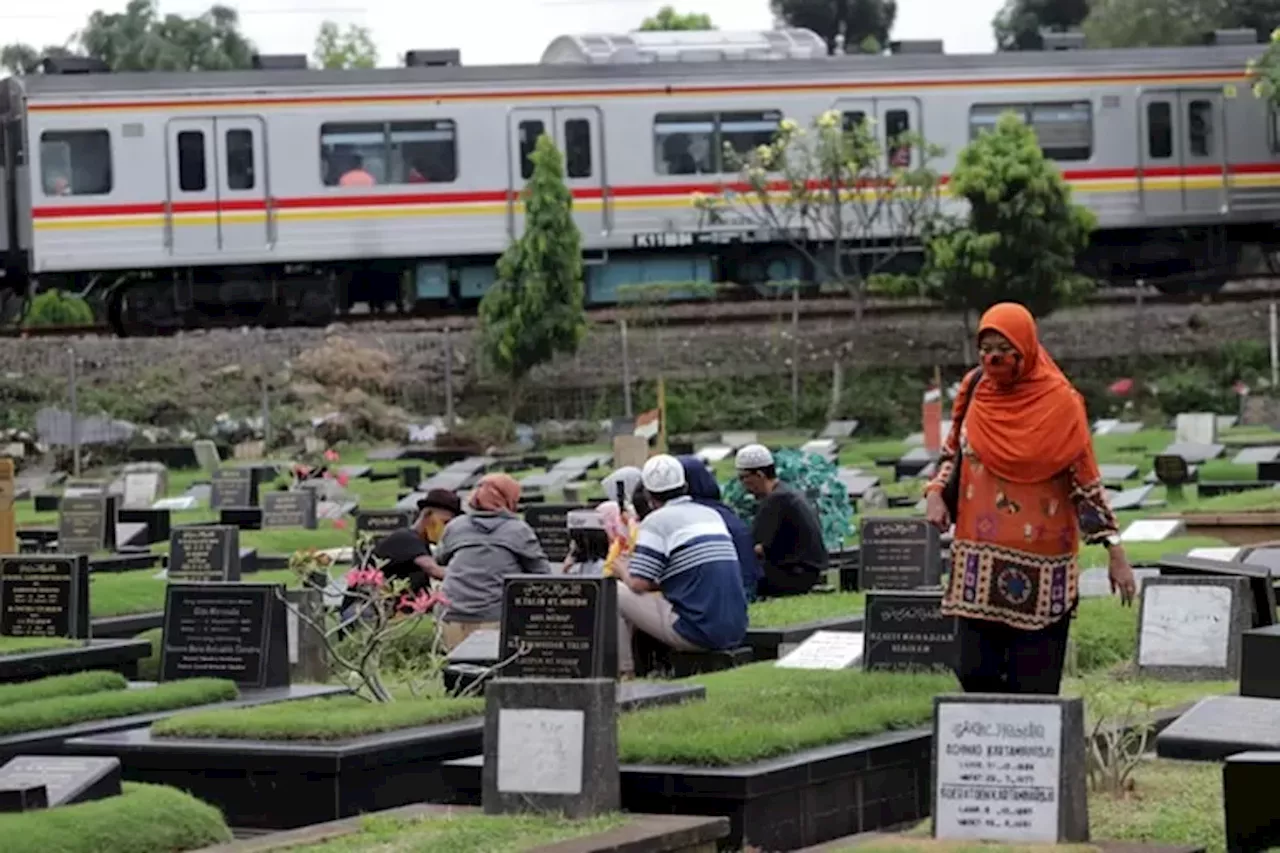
686	550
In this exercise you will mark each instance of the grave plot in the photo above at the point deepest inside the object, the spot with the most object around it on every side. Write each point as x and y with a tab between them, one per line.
778	625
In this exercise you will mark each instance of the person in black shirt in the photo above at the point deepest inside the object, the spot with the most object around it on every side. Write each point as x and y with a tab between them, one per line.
787	532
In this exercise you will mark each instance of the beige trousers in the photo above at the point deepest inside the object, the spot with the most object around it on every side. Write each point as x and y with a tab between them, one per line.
651	613
453	633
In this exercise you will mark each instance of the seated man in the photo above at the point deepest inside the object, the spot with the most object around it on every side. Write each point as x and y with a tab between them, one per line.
682	585
787	531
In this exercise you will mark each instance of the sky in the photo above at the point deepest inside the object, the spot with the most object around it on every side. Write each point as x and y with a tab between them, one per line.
486	31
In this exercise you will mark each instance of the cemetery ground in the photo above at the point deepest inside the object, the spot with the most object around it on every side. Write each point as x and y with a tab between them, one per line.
748	715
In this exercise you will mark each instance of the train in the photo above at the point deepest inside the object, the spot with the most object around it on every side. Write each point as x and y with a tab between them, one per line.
285	195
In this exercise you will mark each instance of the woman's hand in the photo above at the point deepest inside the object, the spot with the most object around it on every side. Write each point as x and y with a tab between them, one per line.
935	510
1121	574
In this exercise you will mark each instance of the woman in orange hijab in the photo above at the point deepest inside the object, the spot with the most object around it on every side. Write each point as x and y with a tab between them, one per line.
1029	485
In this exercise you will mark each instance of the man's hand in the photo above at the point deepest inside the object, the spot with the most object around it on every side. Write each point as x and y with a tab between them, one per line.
935	510
1121	575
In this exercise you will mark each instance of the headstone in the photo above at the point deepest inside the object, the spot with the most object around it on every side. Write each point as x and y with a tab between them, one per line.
84	489
630	450
233	488
1220	726
44	595
380	523
83	524
1104	426
1189	628
823	447
1153	530
207	455
1196	428
411	476
825	650
551	746
308	656
1225	555
233	631
550	523
8	518
906	631
1262	606
1118	473
178	504
1254	455
1194	453
912	463
559	627
899	553
839	429
739	440
1259	651
204	554
1249	780
289	509
1009	769
1130	498
1172	470
714	453
141	489
65	779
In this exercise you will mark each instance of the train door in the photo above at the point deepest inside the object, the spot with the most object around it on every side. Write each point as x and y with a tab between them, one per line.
897	118
1181	153
578	133
192	210
1204	172
243	218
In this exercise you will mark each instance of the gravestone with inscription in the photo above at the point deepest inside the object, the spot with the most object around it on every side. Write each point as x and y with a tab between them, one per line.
233	631
86	524
142	489
44	595
233	488
550	524
289	509
61	780
899	553
1009	769
905	631
380	523
830	650
204	554
1190	629
561	627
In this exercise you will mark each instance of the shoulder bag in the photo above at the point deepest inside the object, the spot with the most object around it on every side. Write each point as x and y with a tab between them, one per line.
951	489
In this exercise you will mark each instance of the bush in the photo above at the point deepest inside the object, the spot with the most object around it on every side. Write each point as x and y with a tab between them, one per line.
55	308
817	479
343	364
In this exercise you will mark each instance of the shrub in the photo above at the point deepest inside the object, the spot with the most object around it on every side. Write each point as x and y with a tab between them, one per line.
55	308
342	364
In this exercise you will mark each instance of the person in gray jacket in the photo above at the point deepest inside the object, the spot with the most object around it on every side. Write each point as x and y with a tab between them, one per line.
480	548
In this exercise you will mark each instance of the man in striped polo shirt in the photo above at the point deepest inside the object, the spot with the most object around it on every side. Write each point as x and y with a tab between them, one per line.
682	585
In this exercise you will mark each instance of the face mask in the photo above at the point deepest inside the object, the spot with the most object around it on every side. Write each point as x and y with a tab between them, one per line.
1001	367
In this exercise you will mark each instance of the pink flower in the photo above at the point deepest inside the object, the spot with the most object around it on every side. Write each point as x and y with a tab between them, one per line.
366	577
301	471
423	602
331	456
339	524
343	479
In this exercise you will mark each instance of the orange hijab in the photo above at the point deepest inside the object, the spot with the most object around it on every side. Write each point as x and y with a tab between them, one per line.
495	493
1033	429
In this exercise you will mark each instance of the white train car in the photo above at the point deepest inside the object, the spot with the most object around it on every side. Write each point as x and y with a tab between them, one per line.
286	194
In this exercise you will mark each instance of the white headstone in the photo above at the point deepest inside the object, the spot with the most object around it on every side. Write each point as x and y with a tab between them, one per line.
141	490
824	447
207	455
540	750
179	504
1104	426
1153	530
1225	555
1196	428
1185	626
1130	498
1254	455
825	650
715	453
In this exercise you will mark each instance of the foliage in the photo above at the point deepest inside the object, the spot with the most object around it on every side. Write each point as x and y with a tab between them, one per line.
850	205
1105	633
22	59
55	712
535	309
1265	71
1019	239
811	475
55	308
1019	24
349	48
668	19
341	363
856	25
1150	23
143	819
1118	737
77	684
802	609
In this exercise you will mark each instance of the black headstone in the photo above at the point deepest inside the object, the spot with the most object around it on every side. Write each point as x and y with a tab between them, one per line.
23	799
83	524
899	553
204	554
381	522
568	628
234	631
66	779
44	595
411	476
1172	470
1249	779
289	509
906	631
550	523
1269	472
1259	672
233	487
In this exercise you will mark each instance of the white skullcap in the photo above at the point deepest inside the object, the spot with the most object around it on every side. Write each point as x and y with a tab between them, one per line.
663	473
753	457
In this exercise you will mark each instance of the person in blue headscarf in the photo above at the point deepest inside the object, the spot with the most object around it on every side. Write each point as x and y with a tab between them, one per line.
704	490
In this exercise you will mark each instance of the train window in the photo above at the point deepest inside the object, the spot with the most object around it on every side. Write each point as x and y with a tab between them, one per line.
1159	130
743	133
896	124
240	160
353	154
851	121
422	152
577	148
983	117
530	132
75	162
1200	128
685	143
1065	130
192	176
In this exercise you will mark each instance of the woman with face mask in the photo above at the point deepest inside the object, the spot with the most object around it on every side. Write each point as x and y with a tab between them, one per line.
1028	486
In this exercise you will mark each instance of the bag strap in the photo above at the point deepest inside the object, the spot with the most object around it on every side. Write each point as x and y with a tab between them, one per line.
976	373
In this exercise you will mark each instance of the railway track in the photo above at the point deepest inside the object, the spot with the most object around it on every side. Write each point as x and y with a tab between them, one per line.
728	312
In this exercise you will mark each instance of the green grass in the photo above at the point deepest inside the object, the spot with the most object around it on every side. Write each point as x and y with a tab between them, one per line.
1104	633
800	609
78	684
1123	692
463	833
1255	500
759	711
58	711
1095	556
143	819
317	719
22	645
128	593
1173	803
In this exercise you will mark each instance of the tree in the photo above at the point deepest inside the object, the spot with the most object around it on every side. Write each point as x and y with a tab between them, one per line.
858	25
668	19
1151	23
535	308
138	39
1019	24
22	59
350	48
849	205
1264	71
1019	239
